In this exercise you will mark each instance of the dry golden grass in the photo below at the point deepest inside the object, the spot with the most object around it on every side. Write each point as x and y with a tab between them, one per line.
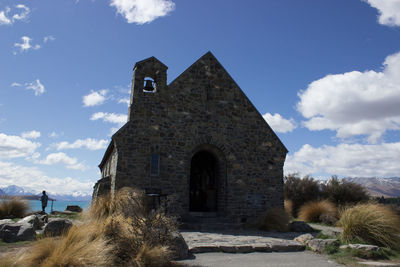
81	246
312	211
275	219
153	256
14	207
371	223
118	232
288	204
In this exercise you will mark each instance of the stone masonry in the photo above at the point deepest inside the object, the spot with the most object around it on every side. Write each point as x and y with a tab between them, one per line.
199	141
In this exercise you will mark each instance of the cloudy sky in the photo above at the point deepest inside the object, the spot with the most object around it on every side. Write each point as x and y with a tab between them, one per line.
324	74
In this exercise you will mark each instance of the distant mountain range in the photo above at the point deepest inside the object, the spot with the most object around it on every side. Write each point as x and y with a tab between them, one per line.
387	187
13	190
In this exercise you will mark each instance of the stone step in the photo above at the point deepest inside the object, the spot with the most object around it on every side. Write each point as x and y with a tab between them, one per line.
212	226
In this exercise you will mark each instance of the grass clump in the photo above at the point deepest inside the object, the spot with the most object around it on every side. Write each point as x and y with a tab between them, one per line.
316	211
119	231
288	204
372	224
275	219
300	191
13	208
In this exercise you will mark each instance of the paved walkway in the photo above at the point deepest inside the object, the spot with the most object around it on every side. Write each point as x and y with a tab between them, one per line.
241	242
256	259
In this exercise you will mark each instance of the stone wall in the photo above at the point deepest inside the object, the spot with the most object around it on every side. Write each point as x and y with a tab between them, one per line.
202	109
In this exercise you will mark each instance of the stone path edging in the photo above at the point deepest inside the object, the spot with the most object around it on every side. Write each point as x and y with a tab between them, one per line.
202	242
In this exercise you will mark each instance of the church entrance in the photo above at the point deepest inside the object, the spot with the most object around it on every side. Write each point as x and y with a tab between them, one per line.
203	182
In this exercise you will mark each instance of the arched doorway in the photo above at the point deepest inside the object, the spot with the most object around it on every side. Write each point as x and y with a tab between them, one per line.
203	182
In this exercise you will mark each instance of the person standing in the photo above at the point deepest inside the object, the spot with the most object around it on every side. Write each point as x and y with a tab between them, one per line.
44	198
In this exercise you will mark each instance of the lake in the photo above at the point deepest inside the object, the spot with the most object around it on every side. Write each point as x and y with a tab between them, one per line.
35	205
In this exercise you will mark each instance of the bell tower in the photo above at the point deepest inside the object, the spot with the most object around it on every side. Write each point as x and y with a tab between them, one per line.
149	80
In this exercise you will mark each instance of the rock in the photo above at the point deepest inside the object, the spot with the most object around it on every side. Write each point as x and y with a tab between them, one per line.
361	247
4	221
319	245
43	218
74	208
33	220
304	238
57	226
15	232
178	246
300	226
328	219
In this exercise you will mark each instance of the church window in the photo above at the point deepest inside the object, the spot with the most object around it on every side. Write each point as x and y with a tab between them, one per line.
155	165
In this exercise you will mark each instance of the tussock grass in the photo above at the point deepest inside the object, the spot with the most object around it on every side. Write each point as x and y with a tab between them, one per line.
114	232
371	223
288	204
152	256
314	211
13	208
275	219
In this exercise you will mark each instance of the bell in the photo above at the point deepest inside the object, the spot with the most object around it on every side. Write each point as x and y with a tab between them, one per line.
148	86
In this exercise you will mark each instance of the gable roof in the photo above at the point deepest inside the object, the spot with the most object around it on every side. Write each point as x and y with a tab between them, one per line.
153	59
209	58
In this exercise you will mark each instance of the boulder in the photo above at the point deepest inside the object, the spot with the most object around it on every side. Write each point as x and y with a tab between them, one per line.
43	218
15	232
319	245
33	220
4	221
304	238
361	247
57	226
74	208
178	246
300	226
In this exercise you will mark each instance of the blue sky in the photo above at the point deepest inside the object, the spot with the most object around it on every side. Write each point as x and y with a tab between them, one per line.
324	74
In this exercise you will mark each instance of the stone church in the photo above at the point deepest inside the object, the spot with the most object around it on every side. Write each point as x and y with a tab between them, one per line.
198	140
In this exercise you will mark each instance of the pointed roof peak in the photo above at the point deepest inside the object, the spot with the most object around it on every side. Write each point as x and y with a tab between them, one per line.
151	59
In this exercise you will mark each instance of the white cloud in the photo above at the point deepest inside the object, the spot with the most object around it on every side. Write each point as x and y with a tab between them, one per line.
389	11
54	134
278	123
30	135
12	146
21	13
4	20
346	160
26	45
16	84
48	38
89	143
142	11
126	101
119	119
36	86
34	179
62	158
355	103
95	98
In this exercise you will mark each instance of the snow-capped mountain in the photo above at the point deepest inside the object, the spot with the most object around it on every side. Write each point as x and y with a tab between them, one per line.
387	187
13	190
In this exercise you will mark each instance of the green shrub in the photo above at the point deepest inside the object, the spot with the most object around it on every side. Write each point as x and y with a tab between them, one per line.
300	191
13	208
275	219
371	223
315	211
342	192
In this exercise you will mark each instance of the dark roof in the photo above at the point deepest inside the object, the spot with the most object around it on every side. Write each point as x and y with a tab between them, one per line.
154	59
